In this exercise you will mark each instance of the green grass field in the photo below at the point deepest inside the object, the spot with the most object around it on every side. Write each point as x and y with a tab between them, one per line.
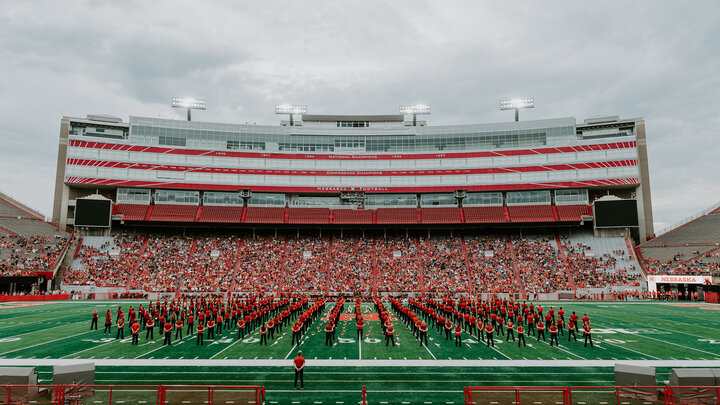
662	334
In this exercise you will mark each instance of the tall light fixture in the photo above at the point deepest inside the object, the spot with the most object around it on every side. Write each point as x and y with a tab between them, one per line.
516	104
291	110
415	109
188	103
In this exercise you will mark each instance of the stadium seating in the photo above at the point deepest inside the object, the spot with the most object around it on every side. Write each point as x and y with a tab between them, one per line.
397	216
531	213
445	215
220	214
308	215
265	215
132	212
484	215
173	213
347	216
572	213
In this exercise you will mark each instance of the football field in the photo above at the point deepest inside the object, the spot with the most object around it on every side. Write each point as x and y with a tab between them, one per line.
665	335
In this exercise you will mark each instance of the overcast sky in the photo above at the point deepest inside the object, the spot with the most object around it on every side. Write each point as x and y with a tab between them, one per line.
659	60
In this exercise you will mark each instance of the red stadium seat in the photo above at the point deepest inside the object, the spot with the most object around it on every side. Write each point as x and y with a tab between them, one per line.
444	215
309	215
132	212
264	215
531	213
345	216
173	213
219	214
484	215
397	216
572	212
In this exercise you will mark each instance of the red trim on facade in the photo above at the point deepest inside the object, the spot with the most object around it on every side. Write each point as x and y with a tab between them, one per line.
273	155
270	172
321	189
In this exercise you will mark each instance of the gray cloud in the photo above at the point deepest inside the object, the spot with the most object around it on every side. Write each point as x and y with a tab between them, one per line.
658	60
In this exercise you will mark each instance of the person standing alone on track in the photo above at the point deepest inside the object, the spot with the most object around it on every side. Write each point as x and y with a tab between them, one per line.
299	364
94	323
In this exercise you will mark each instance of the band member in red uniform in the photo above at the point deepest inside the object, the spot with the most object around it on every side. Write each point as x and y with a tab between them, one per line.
360	324
458	336
178	328
296	333
448	329
263	334
329	329
94	323
423	333
135	332
299	364
571	330
210	328
200	332
510	330
521	335
168	331
108	322
241	328
489	334
121	328
553	334
149	327
587	333
389	334
541	331
191	324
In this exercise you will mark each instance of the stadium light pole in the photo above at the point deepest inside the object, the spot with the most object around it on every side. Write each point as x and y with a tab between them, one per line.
291	110
415	109
188	103
516	104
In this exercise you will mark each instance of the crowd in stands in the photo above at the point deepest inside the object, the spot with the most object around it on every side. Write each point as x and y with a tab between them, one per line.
491	265
345	265
19	256
593	271
705	264
398	264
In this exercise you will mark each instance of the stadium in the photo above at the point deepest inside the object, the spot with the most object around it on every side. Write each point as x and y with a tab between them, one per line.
403	259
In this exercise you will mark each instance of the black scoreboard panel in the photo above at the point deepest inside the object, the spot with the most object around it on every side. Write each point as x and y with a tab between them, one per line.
92	212
616	213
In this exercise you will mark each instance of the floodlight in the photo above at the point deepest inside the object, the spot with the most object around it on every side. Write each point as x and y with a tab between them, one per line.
188	103
290	109
415	109
516	104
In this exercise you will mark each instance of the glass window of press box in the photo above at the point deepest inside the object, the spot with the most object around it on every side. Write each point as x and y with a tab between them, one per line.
391	200
483	199
133	196
222	198
537	197
571	196
267	199
438	199
177	197
315	201
149	131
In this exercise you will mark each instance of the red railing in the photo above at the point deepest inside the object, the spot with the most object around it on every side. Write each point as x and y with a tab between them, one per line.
140	394
606	395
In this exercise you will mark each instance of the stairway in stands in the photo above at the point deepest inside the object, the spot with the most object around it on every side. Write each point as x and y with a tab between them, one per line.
375	269
470	288
518	279
181	280
568	272
421	267
326	267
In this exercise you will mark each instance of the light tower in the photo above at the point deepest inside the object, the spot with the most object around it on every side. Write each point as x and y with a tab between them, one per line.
291	110
415	109
188	103
516	104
